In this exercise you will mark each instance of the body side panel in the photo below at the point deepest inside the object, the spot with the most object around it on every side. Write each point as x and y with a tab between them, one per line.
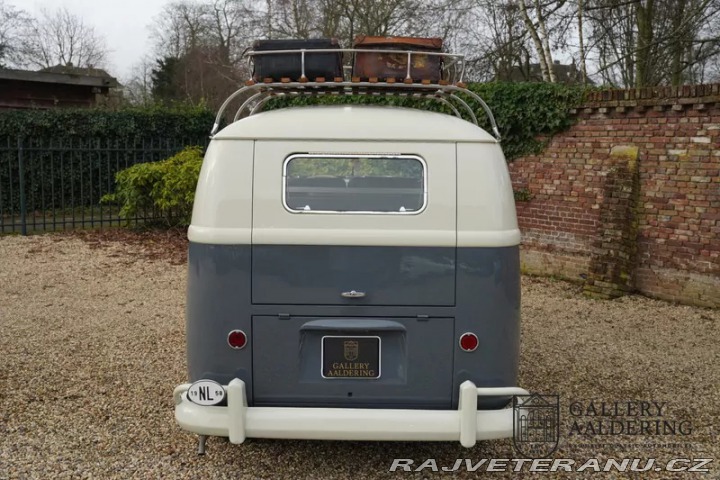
218	301
488	304
485	201
222	210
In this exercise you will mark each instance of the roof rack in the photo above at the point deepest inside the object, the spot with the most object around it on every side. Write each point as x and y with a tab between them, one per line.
257	94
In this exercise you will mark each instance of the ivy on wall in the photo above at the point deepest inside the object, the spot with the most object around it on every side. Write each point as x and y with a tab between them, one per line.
527	114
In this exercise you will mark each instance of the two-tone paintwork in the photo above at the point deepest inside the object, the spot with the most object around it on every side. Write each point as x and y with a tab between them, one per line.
279	275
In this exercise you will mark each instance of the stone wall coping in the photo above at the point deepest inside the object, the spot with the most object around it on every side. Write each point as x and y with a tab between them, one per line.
678	98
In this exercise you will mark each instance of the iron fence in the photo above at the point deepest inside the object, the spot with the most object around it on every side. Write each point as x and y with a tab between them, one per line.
49	184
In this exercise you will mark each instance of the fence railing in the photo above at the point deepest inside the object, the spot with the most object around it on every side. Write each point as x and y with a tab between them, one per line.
49	184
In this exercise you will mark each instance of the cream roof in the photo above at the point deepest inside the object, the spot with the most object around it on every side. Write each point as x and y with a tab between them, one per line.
354	122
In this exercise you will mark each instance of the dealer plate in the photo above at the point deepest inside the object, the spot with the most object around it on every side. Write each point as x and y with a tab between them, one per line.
350	357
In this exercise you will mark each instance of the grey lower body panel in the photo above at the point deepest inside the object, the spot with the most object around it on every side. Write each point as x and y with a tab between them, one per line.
422	363
413	367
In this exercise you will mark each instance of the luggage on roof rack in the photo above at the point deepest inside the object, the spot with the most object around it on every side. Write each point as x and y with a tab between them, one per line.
285	68
384	57
284	61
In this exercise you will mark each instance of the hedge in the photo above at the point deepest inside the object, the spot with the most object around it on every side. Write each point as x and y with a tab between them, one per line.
71	157
131	123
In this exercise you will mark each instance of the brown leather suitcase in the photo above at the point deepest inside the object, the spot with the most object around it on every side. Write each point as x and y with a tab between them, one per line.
383	66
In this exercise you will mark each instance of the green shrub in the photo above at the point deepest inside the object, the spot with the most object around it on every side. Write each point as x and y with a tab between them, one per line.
167	186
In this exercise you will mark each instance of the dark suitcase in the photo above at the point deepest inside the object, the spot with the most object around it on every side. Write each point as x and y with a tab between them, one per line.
288	65
382	65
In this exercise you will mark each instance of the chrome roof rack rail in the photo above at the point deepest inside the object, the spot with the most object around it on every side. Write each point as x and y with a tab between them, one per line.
257	94
448	59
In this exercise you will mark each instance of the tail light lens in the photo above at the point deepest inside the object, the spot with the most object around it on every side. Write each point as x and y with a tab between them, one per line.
469	342
237	339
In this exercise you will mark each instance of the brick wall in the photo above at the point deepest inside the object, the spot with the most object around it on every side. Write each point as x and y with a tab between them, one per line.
587	220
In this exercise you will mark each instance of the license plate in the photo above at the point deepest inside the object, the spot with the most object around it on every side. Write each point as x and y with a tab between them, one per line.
350	357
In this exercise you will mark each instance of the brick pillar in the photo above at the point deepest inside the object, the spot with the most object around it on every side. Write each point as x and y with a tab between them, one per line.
613	259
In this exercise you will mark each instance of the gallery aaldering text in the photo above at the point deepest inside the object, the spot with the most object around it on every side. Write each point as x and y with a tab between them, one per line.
625	418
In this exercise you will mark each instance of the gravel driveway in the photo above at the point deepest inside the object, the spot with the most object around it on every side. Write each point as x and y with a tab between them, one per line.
92	343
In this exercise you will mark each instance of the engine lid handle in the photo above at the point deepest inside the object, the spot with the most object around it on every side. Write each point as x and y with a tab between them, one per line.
353	294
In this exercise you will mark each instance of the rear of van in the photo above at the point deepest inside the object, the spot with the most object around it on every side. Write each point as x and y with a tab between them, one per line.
353	274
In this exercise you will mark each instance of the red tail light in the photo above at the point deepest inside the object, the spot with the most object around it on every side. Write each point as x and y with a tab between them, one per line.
237	339
469	342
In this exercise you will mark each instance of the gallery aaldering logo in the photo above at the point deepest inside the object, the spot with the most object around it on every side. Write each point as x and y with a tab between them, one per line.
351	350
536	424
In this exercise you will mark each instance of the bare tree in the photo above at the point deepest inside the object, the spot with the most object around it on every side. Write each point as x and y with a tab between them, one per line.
294	19
581	40
199	44
704	55
518	39
233	25
495	42
382	17
617	42
708	71
137	87
542	20
693	38
60	37
344	19
225	25
612	40
181	26
12	23
653	42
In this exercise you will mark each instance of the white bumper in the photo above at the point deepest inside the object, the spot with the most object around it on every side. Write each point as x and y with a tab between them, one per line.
238	421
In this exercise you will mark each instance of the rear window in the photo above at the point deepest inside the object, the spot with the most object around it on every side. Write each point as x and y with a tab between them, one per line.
355	183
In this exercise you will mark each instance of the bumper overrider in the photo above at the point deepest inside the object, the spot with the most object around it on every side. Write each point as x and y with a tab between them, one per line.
238	421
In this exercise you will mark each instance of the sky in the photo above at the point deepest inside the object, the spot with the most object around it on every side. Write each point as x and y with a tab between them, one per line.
123	23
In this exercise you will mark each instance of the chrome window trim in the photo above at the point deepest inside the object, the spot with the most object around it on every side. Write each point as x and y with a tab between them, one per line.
355	155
